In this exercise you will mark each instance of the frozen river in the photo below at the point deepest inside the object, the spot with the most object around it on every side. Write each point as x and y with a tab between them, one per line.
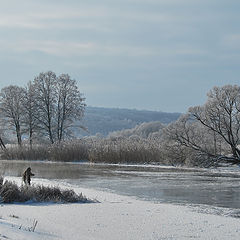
212	187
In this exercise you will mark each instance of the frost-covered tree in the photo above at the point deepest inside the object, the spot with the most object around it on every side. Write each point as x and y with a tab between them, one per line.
31	114
211	131
59	104
221	116
187	133
11	108
70	105
49	106
2	145
144	130
46	94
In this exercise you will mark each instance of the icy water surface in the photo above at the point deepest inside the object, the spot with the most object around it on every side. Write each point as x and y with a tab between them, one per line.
214	187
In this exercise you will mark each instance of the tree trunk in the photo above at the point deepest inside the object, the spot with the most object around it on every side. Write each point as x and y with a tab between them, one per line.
30	138
19	137
235	152
50	135
2	145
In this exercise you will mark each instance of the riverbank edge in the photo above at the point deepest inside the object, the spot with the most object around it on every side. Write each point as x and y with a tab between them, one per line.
114	217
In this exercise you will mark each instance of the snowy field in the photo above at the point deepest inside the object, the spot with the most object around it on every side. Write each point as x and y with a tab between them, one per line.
115	217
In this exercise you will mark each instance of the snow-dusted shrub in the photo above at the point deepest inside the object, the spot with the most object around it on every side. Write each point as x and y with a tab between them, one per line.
125	150
143	130
65	151
14	152
192	143
42	193
10	192
68	151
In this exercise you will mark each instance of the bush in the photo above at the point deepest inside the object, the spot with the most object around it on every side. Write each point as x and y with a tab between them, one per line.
14	152
68	151
10	192
125	150
133	149
65	152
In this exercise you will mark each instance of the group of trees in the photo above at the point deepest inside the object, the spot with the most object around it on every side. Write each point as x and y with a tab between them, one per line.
48	107
206	135
211	131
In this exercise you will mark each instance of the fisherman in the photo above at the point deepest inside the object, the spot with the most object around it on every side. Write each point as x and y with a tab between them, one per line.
27	176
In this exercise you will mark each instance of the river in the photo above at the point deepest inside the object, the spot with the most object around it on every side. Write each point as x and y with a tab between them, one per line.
211	187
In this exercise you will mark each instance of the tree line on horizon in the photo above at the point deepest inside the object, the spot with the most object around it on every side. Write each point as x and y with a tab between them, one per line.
206	135
46	108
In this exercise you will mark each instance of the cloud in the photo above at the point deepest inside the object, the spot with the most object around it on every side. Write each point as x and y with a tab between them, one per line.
119	41
70	48
232	41
89	48
18	21
86	16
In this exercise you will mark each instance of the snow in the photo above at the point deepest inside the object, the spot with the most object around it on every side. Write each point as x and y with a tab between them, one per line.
114	217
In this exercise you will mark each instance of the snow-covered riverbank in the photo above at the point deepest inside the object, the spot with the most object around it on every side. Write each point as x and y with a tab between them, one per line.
114	217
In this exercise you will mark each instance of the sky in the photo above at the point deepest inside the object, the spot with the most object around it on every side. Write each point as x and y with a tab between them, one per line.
162	55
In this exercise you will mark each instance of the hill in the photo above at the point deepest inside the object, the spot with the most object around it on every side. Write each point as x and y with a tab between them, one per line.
99	120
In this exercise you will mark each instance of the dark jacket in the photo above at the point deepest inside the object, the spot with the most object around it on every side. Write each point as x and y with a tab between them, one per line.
27	176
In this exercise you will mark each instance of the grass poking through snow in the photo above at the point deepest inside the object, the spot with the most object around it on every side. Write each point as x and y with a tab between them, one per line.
11	192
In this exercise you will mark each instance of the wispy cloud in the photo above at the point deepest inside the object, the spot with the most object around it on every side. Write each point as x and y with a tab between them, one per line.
18	21
162	41
232	41
71	48
91	17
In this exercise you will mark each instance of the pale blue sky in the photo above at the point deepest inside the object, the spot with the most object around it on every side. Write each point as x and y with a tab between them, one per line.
145	54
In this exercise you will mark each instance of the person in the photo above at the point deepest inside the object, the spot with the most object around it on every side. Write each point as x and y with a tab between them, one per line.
27	176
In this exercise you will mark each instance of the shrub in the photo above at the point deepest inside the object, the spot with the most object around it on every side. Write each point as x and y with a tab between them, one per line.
133	149
68	151
65	152
125	150
10	192
14	152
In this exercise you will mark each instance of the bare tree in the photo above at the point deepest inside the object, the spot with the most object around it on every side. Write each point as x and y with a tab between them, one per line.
49	106
59	104
3	130
31	115
11	107
189	133
221	115
70	105
45	92
2	145
188	142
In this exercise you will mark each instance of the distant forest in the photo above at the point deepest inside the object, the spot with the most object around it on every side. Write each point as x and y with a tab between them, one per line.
99	120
